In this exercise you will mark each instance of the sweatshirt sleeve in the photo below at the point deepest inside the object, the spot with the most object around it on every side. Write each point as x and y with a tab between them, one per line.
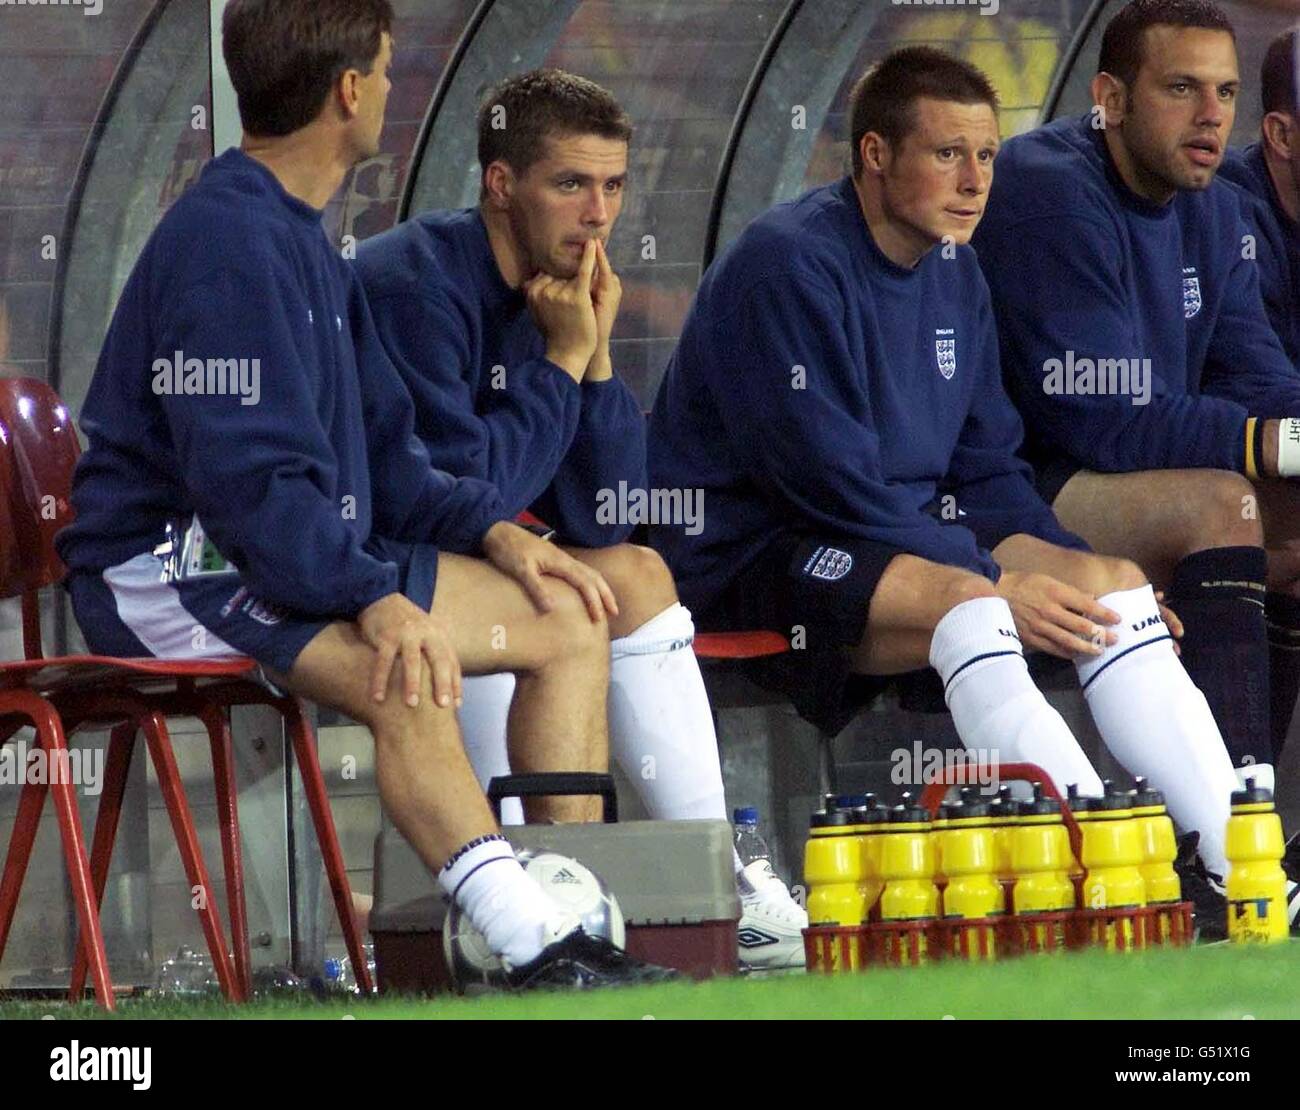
1246	362
609	447
1052	300
991	486
516	440
813	441
261	476
414	500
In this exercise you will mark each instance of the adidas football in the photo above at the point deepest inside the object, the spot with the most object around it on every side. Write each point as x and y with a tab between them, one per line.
571	885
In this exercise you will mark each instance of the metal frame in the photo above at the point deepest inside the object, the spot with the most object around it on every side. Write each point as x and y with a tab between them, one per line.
1066	65
738	124
436	102
78	192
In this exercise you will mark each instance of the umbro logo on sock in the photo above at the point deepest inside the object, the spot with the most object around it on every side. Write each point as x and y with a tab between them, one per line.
564	875
1147	623
755	938
1008	632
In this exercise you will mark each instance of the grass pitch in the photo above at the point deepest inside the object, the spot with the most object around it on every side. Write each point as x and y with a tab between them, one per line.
1217	981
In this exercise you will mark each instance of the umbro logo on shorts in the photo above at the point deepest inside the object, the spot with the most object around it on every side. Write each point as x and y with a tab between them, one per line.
829	563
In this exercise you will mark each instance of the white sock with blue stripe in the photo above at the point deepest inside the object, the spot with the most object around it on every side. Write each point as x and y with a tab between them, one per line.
997	709
1158	724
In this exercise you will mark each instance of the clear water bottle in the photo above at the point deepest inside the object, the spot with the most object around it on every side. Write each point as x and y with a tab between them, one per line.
750	845
340	977
188	974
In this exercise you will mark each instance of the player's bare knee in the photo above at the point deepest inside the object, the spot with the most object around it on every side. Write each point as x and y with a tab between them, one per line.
638	576
1106	574
573	630
1227	512
958	588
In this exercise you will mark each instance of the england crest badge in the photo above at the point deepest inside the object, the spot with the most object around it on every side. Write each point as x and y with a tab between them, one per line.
1191	293
945	354
829	564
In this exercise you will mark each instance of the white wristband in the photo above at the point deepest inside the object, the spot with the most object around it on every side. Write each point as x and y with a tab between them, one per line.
1288	448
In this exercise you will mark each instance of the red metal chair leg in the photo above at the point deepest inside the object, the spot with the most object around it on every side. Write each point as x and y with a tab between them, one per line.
187	841
217	723
49	735
121	746
304	749
30	803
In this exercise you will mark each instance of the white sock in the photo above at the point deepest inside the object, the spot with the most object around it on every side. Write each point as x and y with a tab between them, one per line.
994	703
511	911
483	719
660	724
1158	724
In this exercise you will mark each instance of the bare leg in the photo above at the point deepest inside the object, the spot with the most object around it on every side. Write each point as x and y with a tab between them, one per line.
912	597
641	581
1157	518
425	782
1279	504
561	662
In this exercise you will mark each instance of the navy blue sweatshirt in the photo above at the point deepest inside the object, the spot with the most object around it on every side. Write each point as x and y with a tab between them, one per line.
1080	267
488	403
820	387
288	488
1277	243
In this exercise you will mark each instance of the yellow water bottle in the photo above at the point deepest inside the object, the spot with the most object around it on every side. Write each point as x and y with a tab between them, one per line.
1159	849
1257	910
965	842
871	819
1004	814
1112	854
907	871
1041	859
832	869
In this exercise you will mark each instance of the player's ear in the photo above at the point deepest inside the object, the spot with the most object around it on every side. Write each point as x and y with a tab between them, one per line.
1110	94
1279	130
347	94
875	153
498	184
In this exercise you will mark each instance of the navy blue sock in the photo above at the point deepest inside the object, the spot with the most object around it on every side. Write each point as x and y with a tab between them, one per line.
1219	595
1283	616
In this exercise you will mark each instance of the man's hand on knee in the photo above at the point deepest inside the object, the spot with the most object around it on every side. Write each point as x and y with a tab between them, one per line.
527	558
396	627
1054	617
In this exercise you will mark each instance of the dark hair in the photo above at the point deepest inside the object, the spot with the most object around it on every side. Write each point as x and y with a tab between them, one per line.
884	99
284	56
1277	75
518	115
1123	42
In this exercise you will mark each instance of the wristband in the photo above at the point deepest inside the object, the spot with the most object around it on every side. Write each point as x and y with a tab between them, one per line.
1288	448
1254	438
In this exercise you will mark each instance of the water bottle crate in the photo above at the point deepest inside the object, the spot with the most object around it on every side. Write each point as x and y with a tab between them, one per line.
831	949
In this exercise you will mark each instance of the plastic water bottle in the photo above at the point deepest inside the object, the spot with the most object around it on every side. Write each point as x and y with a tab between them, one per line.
750	845
188	974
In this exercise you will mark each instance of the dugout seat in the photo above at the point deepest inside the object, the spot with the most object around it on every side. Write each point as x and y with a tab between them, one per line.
58	695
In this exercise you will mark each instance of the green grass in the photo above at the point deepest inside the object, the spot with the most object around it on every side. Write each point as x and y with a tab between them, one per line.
1210	982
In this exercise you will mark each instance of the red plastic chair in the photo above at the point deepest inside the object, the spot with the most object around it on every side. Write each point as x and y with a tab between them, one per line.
37	455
